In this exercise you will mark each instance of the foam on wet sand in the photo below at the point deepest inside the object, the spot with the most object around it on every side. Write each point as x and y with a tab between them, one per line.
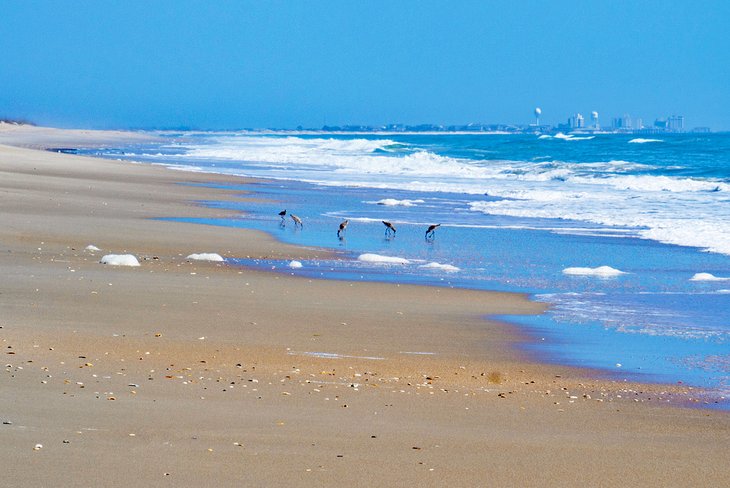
380	259
119	260
214	257
708	277
449	268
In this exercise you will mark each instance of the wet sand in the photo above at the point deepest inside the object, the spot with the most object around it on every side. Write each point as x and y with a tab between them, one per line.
188	373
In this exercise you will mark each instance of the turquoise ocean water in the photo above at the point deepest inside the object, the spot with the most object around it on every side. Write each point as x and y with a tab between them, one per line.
627	237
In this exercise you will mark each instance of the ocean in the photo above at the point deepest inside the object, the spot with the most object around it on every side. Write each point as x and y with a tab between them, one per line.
626	237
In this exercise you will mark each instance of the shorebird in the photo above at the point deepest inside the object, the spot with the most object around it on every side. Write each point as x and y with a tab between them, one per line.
343	227
297	221
389	228
432	230
282	214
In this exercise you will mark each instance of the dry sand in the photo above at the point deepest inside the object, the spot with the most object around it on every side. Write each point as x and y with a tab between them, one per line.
185	373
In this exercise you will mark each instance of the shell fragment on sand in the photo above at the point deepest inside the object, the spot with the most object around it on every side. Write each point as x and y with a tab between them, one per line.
119	260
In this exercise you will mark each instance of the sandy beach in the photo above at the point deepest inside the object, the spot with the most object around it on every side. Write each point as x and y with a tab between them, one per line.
190	373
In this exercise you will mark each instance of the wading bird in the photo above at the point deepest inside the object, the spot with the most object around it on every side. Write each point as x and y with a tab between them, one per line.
297	221
432	231
343	228
282	214
389	228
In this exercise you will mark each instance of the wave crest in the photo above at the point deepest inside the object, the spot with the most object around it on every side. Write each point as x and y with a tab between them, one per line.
640	140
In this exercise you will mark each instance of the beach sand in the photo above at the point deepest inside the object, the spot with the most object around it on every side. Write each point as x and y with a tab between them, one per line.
187	373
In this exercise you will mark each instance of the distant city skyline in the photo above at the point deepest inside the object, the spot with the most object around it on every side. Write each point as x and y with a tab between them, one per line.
283	64
575	123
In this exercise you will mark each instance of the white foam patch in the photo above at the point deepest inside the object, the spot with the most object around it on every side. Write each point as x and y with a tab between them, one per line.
600	272
206	256
379	259
441	267
295	264
392	202
91	247
119	260
640	140
707	277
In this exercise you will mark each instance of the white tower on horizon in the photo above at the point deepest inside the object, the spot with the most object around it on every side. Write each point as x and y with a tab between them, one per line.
538	112
594	117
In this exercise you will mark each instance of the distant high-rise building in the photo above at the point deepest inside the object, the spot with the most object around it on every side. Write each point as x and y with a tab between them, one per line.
594	119
623	123
626	123
576	121
675	123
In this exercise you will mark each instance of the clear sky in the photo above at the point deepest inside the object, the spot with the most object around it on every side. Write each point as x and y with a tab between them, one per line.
225	64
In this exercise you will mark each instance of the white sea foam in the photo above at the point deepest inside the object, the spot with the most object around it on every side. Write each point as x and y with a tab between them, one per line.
679	211
119	260
295	264
661	184
379	259
640	140
707	277
441	267
600	272
285	149
392	202
206	256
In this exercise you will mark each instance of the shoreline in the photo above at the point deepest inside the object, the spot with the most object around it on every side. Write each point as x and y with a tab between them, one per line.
216	372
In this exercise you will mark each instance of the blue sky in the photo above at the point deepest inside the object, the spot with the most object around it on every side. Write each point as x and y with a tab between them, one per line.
262	64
